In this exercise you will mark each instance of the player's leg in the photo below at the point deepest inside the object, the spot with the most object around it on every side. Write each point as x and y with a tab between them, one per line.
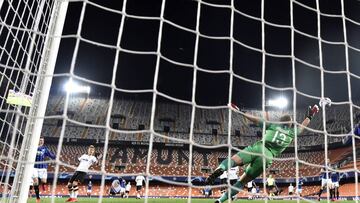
253	170
30	190
75	188
43	178
299	192
234	161
79	179
332	193
238	159
36	184
112	193
323	185
337	193
138	189
271	191
70	186
222	182
249	192
233	182
237	187
36	188
31	186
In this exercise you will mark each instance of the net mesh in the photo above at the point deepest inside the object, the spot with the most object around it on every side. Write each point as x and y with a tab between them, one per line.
24	25
163	133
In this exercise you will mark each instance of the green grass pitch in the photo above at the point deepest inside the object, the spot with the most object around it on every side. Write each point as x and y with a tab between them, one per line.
164	200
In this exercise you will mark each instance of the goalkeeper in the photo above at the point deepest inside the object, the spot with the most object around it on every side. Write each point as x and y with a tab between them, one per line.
277	138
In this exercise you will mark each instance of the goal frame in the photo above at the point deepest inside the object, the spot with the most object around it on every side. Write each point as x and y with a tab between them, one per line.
20	189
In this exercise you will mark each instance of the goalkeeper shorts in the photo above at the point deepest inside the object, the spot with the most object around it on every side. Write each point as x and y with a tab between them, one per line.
255	162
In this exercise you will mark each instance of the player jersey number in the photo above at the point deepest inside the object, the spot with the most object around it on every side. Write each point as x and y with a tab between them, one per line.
279	138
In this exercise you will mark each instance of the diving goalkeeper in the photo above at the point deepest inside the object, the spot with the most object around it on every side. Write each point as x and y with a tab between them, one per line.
277	138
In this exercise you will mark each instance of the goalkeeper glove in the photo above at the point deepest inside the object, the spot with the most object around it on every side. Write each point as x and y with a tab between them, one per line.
235	108
312	111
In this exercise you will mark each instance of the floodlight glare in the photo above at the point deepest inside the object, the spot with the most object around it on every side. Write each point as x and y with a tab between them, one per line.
73	87
279	102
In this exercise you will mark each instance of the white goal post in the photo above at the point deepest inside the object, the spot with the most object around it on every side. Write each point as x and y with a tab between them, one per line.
41	47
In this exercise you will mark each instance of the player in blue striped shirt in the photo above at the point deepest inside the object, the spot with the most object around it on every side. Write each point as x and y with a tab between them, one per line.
299	187
40	169
357	129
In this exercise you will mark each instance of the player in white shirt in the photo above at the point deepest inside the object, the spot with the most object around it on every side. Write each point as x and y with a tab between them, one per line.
139	183
127	189
251	188
86	160
291	189
233	175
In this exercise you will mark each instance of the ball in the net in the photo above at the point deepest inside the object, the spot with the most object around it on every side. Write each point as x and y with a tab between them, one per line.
325	102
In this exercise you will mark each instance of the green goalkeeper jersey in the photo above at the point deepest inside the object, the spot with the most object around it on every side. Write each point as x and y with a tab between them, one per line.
278	138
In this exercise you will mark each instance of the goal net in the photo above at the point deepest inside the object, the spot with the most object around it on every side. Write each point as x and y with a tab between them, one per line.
29	43
149	85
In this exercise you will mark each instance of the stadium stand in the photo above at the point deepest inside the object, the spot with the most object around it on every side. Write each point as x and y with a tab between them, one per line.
173	120
210	125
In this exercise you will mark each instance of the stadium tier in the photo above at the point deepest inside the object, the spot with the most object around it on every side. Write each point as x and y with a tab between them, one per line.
210	126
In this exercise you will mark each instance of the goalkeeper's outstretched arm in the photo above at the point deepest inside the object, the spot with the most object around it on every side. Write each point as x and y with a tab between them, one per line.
312	110
256	120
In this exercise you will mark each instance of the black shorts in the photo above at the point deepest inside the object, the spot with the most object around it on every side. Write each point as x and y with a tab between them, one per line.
112	192
233	181
138	187
249	189
78	176
127	191
271	187
290	193
223	181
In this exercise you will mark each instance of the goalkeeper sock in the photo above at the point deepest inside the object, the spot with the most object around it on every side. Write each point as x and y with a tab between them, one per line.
233	192
224	164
